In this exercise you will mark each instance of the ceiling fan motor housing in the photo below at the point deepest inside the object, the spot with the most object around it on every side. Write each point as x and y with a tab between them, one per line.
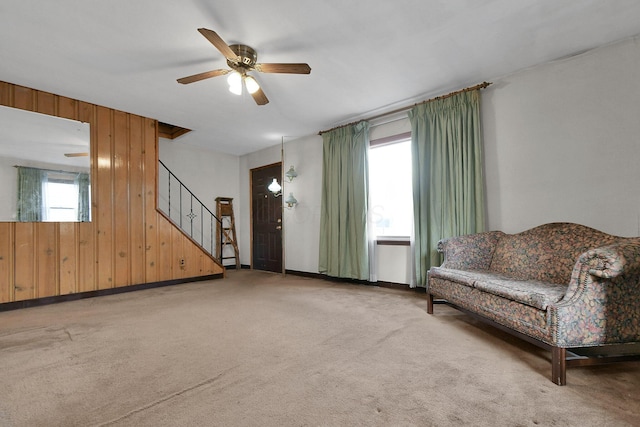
248	57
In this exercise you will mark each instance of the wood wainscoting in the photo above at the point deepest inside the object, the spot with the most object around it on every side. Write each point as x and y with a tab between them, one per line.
128	242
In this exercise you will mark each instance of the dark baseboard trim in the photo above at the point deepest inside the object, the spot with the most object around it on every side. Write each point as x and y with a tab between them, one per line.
382	284
16	305
234	267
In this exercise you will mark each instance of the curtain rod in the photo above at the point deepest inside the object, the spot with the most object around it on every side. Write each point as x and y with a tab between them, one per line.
467	89
49	170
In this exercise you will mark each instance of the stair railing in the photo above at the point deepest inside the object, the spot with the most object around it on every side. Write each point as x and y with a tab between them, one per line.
187	211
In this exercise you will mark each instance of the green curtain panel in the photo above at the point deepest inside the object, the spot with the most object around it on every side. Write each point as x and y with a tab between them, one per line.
343	216
29	208
448	181
83	197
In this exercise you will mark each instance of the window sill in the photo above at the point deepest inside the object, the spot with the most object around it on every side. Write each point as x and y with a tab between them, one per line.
393	241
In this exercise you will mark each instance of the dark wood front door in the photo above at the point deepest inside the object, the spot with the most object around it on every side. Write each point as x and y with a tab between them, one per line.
266	219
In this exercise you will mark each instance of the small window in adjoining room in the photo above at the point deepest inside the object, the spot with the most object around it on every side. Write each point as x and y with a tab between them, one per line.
60	197
390	187
54	196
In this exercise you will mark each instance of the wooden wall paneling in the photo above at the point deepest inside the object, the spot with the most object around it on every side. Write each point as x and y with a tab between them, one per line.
68	108
202	262
23	98
6	261
86	112
195	261
46	103
6	90
87	263
191	257
68	257
46	259
205	267
191	253
178	245
136	199
24	261
200	257
103	217
165	249
150	164
210	266
122	267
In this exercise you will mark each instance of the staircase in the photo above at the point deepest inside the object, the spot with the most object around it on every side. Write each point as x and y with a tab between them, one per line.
187	212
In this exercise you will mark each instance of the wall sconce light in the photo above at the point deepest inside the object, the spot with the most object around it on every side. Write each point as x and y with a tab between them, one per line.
291	201
291	173
275	188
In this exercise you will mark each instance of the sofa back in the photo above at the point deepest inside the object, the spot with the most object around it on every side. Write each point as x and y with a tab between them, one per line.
546	253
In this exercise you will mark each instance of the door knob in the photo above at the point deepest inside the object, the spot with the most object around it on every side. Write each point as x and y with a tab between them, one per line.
278	227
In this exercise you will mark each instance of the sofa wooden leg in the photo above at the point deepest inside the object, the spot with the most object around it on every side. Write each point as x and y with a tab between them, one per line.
559	365
429	303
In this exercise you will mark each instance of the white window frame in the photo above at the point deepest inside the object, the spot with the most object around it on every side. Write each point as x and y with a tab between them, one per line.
373	144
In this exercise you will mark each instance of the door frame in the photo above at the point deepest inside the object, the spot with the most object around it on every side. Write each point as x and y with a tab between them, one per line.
281	182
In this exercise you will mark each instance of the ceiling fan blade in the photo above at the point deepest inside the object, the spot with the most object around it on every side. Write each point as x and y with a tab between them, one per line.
202	76
220	44
76	154
284	68
260	97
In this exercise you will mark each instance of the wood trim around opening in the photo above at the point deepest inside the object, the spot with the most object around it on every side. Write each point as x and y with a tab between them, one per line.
390	139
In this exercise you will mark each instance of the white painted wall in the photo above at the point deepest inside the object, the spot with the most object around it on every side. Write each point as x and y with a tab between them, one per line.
394	264
208	174
302	223
562	143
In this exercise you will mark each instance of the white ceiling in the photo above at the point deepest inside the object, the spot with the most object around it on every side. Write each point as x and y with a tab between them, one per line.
366	58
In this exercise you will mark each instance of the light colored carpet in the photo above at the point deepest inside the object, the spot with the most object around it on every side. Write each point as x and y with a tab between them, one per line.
259	349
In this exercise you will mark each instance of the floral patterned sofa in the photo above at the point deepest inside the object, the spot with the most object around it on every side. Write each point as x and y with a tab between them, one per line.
561	285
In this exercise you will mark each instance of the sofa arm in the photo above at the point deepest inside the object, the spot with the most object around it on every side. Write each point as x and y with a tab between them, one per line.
470	252
602	302
608	261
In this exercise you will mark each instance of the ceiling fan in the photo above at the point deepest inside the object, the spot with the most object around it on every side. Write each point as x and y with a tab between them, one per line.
241	59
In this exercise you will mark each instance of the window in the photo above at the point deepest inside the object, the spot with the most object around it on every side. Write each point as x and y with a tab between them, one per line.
60	196
390	188
56	196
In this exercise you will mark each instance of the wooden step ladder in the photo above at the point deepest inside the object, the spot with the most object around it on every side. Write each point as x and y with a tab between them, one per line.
226	230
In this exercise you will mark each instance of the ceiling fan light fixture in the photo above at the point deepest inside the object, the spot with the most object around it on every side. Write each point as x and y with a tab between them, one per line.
242	59
235	83
236	90
251	84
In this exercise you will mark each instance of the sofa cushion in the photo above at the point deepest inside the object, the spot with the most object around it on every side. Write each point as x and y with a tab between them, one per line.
530	292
